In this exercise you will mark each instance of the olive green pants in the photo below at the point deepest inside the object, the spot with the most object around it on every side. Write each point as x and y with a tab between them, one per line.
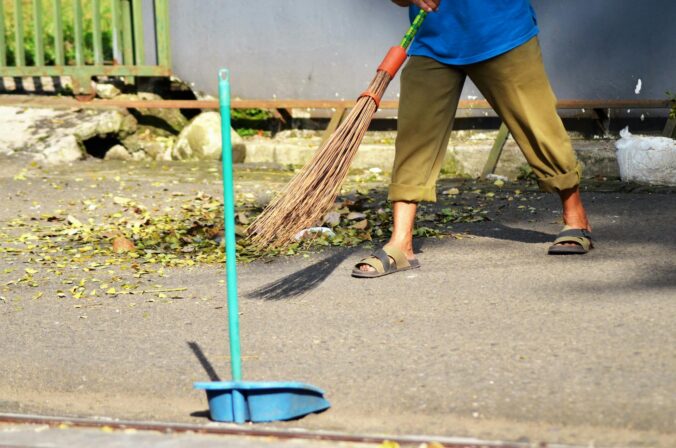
517	88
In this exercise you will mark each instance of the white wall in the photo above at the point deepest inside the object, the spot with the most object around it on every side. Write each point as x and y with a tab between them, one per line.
322	49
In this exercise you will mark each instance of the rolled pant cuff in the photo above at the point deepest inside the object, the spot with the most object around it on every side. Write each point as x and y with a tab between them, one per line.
412	193
561	182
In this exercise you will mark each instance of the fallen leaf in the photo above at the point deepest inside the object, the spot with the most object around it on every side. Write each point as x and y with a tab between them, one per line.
122	244
332	219
388	444
243	218
121	201
353	216
73	221
360	225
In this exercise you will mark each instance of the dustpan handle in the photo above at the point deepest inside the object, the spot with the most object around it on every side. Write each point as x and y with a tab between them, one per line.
229	224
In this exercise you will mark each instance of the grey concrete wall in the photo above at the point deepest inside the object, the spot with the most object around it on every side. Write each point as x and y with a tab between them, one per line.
322	49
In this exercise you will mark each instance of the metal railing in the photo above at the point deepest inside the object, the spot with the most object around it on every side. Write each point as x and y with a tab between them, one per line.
81	39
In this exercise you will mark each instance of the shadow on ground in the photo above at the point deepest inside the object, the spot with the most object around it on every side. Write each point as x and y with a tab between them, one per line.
204	362
303	281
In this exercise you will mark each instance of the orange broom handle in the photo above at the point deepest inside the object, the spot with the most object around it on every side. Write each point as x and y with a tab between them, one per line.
396	57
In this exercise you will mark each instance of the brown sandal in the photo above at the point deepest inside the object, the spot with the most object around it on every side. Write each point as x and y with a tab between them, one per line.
582	238
383	265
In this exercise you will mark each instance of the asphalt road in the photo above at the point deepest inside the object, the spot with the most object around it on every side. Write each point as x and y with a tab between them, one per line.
491	338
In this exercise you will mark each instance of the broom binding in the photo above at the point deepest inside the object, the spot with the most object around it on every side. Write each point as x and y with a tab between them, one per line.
393	61
373	96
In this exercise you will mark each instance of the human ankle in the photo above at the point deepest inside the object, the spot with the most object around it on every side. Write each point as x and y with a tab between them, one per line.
403	244
578	221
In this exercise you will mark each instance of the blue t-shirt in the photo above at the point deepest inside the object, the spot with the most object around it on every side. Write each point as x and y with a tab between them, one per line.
464	32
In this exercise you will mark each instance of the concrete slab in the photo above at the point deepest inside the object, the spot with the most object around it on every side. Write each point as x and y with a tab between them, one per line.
490	339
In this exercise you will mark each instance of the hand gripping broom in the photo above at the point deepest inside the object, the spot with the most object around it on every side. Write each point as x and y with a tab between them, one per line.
313	191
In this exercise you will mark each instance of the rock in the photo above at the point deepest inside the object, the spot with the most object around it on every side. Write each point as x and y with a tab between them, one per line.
201	139
139	156
117	152
172	118
238	147
645	159
61	149
155	143
91	123
107	91
158	150
128	125
57	135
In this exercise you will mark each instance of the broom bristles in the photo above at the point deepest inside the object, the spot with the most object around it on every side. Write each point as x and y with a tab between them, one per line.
312	192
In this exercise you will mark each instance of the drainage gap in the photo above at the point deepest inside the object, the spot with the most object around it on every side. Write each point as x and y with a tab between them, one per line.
98	146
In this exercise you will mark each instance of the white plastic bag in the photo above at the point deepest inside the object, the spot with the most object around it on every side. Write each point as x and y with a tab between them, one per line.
650	160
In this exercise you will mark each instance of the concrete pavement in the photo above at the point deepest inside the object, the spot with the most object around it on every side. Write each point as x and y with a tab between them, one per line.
491	338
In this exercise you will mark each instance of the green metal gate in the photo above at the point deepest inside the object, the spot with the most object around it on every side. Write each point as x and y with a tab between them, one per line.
81	39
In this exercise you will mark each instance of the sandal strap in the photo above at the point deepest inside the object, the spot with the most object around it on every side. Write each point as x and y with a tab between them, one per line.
398	256
380	260
582	237
372	261
384	258
576	233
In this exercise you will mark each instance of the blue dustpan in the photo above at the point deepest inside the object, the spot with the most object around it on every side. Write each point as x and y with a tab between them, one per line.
241	401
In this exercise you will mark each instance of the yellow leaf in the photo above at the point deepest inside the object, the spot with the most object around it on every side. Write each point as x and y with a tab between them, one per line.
389	444
73	221
121	201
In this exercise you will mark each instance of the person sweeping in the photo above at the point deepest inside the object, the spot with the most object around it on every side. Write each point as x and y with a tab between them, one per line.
495	44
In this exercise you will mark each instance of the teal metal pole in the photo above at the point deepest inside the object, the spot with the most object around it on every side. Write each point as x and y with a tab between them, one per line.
229	224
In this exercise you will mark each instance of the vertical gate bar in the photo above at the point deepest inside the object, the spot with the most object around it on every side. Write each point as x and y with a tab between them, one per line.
96	34
39	29
127	39
117	29
19	50
59	57
162	35
78	30
137	21
127	33
3	42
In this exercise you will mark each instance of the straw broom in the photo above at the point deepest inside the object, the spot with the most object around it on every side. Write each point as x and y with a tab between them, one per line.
312	192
